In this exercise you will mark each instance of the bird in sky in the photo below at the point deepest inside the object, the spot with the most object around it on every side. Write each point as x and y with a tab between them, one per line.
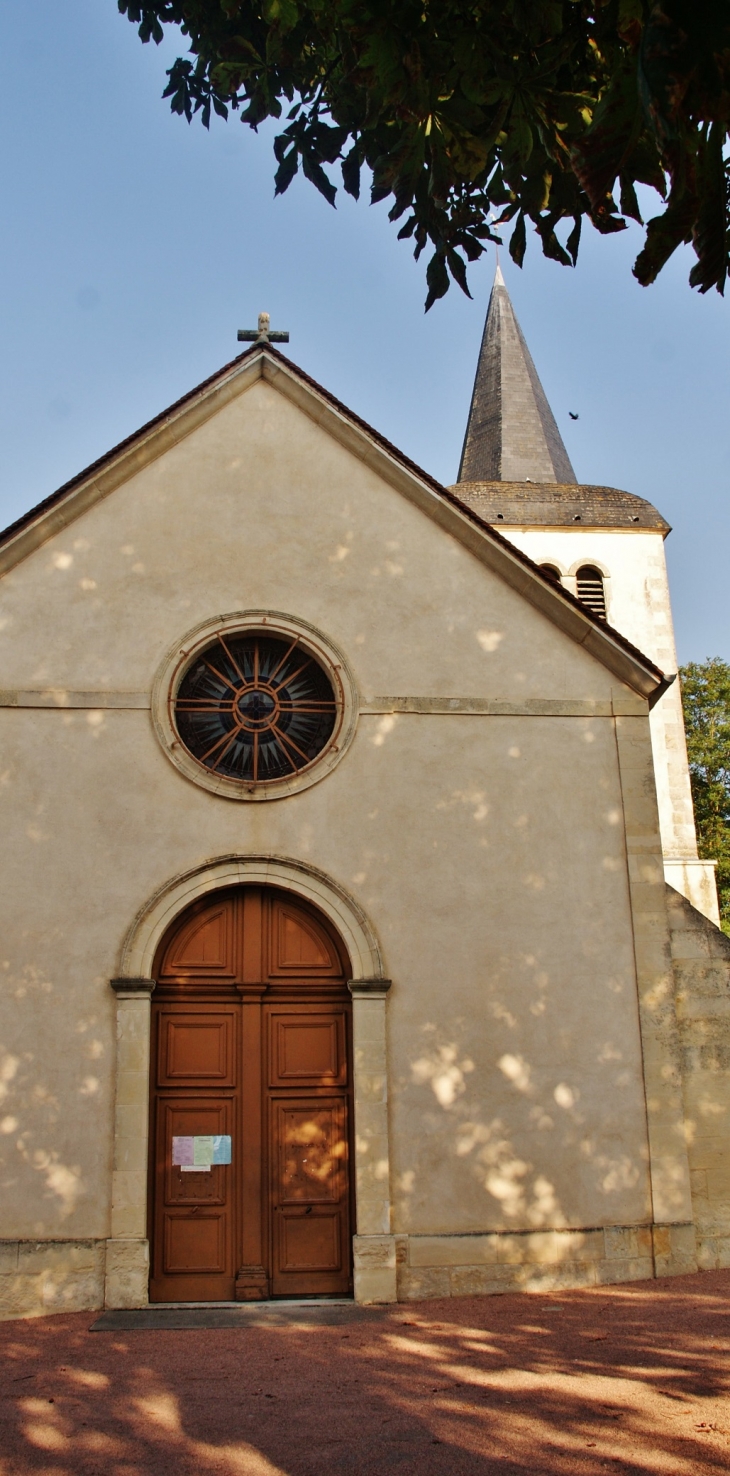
572	415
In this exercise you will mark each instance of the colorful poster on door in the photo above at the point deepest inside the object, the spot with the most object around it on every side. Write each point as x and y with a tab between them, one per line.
201	1152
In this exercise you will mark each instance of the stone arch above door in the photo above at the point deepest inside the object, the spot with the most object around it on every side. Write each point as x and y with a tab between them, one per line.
374	1246
140	945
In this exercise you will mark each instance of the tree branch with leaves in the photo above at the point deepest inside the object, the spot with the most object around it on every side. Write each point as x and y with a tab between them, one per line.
471	116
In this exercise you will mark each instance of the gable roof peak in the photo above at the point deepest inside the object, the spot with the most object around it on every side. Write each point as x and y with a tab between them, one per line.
511	434
263	362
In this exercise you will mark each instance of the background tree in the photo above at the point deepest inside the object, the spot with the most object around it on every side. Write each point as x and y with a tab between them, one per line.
706	701
472	114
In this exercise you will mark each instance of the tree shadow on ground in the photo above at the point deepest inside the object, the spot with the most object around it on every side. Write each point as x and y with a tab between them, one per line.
627	1378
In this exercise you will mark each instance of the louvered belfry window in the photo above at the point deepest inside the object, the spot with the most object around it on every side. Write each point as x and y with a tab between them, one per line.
590	591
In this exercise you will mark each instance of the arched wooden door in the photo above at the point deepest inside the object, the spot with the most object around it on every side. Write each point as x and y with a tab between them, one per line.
251	1054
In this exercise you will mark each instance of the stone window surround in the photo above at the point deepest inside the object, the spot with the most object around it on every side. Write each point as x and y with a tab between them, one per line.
127	1255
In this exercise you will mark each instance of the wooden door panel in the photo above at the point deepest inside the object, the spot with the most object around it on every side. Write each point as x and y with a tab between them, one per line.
196	1048
299	945
307	1049
193	1254
189	1119
204	947
310	1146
309	1242
309	1195
195	1245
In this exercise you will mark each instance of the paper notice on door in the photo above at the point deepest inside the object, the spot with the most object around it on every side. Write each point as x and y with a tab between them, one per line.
183	1152
200	1152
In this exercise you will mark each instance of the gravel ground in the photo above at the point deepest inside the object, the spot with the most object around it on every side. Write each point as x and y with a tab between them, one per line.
625	1378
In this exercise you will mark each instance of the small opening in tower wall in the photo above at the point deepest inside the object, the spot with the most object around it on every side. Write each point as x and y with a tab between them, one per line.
551	572
590	590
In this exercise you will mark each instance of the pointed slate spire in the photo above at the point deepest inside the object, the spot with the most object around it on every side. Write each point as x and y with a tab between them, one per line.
511	435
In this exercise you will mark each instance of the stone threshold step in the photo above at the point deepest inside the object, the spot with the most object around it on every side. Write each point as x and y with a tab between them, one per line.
162	1316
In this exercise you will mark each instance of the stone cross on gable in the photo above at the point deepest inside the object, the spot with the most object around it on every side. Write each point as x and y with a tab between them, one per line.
262	334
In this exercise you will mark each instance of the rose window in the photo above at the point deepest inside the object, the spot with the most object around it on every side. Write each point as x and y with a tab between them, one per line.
255	708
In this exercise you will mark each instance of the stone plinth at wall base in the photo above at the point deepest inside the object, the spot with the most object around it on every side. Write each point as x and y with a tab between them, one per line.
127	1273
713	1251
38	1277
471	1265
675	1249
374	1267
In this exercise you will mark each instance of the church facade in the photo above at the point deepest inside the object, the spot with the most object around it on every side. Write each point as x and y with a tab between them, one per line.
355	940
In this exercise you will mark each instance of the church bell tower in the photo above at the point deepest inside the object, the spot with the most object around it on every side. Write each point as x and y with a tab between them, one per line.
603	545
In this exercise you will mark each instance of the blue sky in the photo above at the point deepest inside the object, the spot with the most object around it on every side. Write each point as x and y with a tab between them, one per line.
133	247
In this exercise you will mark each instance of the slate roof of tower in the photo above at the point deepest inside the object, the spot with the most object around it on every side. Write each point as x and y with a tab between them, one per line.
514	466
558	505
511	434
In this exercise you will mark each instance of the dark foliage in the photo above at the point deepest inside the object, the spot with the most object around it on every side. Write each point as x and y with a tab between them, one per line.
706	701
471	115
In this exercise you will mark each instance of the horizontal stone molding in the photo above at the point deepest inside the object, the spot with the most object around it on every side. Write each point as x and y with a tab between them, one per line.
63	699
369	988
60	699
132	988
492	706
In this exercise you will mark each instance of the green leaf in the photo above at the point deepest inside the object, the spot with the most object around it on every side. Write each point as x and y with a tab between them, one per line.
282	13
629	202
351	172
573	241
457	267
710	234
663	235
437	279
518	241
599	156
286	171
551	246
313	171
630	20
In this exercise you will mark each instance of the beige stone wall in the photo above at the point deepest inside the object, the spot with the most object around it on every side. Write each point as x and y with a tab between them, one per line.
701	956
488	851
496	883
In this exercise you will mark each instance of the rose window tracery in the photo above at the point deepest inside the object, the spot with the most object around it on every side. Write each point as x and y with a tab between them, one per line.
255	707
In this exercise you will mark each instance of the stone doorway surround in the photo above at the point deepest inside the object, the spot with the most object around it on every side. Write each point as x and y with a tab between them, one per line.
127	1252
